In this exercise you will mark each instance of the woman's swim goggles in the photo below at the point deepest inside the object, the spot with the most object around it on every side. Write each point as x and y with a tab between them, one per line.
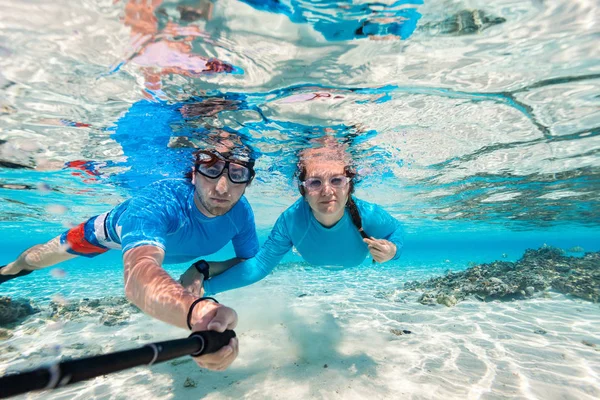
336	182
212	165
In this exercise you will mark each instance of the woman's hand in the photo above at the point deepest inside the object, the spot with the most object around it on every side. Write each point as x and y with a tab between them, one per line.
193	281
382	250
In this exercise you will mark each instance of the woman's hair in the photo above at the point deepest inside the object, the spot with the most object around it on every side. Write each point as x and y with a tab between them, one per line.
350	204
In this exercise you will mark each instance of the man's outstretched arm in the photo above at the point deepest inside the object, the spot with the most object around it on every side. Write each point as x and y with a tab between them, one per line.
151	288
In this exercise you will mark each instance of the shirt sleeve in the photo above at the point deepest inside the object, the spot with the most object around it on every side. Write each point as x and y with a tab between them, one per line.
147	221
254	269
379	224
245	243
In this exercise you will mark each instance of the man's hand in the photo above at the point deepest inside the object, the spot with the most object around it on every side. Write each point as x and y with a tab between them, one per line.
218	319
382	250
192	281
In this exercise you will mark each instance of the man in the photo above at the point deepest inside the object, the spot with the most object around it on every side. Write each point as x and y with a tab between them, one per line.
173	220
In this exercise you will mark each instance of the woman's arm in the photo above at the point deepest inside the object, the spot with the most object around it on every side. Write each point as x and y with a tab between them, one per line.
192	279
218	267
256	268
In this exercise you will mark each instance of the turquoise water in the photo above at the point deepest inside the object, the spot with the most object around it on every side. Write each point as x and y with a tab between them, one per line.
474	124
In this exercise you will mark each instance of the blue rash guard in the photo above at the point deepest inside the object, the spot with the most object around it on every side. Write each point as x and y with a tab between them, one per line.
339	245
164	215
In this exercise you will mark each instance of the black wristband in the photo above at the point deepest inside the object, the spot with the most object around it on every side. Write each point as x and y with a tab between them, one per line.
202	267
189	316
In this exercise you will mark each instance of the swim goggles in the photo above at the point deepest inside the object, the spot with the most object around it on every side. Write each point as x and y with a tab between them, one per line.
336	182
212	165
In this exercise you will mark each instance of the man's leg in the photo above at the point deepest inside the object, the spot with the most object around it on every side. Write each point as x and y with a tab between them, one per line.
38	257
87	239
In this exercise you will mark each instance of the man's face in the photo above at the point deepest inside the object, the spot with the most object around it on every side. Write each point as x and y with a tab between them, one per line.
216	196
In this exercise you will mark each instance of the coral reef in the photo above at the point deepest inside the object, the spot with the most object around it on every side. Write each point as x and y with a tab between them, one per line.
12	311
537	271
109	310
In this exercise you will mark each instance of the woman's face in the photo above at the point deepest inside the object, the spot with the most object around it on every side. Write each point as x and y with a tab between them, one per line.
326	199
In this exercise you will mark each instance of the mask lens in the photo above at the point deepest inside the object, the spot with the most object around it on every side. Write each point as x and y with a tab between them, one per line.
213	166
239	173
337	181
313	183
212	170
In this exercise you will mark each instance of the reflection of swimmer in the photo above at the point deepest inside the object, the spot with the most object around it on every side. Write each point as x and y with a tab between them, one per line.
208	107
300	97
328	226
168	50
89	169
173	220
343	20
13	156
17	186
338	21
465	22
21	154
158	137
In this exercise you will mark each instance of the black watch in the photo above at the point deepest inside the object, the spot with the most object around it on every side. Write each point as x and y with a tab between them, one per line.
202	267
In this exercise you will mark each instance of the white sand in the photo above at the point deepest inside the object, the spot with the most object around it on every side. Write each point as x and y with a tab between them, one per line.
472	351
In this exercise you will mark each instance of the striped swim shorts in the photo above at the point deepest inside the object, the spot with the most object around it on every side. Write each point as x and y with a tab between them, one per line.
89	238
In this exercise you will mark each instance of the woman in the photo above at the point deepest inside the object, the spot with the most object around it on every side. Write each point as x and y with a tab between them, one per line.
327	226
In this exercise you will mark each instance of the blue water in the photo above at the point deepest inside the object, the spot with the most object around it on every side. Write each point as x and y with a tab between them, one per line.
426	254
475	124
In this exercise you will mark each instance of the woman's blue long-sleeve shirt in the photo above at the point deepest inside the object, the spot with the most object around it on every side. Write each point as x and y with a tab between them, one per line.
339	245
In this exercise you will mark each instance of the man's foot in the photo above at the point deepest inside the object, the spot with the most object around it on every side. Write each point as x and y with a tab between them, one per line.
4	278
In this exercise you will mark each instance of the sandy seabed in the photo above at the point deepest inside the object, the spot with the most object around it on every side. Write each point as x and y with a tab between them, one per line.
344	343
